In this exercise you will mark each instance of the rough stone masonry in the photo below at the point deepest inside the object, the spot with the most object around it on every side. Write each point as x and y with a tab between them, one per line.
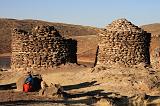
123	43
43	47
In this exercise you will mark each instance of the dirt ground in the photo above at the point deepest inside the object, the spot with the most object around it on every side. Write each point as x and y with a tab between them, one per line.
82	83
60	75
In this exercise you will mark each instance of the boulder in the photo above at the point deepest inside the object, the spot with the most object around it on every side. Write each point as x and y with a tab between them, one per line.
54	90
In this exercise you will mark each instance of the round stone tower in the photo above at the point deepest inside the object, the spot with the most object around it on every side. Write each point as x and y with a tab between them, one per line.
41	47
123	43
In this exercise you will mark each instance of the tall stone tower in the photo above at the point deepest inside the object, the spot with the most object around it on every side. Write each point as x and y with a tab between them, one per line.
43	47
121	42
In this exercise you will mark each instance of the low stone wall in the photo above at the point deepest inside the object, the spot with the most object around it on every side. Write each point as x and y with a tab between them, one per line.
123	43
43	47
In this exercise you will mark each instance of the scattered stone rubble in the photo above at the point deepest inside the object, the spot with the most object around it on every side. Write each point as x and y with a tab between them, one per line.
123	43
43	47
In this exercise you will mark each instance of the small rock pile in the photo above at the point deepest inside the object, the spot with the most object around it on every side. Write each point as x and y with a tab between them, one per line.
42	47
123	43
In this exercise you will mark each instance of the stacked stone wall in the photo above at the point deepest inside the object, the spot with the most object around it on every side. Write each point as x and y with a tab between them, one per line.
43	47
155	51
124	43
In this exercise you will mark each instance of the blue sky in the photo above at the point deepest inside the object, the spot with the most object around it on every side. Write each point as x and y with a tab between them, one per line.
97	13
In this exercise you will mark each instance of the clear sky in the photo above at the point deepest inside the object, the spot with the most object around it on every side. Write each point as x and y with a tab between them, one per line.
97	13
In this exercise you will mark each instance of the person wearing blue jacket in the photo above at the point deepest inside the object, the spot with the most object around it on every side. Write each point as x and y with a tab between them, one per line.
29	79
28	84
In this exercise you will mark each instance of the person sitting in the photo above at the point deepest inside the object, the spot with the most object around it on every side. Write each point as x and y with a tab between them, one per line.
29	79
27	87
28	84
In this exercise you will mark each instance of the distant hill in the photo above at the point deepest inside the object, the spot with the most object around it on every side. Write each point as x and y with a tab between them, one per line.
67	30
85	35
152	28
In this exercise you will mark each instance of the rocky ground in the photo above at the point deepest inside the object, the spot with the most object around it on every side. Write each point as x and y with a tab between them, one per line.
85	85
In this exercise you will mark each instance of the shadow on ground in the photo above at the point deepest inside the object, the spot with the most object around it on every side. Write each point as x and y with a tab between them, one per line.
78	86
8	86
81	98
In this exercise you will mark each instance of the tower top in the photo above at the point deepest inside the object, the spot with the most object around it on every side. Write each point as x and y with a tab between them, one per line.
123	25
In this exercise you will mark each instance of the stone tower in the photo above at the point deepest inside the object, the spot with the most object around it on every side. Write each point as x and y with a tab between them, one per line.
43	47
123	43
